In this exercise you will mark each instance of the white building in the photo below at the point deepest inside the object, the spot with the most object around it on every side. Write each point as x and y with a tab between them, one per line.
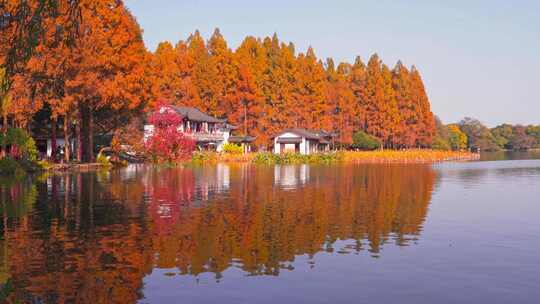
208	132
302	141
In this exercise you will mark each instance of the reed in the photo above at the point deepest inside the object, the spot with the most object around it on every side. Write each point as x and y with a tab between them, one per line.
379	156
407	156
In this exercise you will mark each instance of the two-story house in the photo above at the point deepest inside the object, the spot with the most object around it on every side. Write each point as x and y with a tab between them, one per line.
208	132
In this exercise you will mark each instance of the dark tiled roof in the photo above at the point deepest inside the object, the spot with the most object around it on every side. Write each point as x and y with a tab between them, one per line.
308	134
241	139
289	140
194	114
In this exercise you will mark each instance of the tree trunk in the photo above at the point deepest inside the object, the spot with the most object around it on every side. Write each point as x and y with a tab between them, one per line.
90	146
66	138
87	125
245	119
3	153
79	137
54	151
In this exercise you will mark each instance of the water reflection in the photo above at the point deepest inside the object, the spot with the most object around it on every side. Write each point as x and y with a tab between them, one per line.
93	237
510	155
291	176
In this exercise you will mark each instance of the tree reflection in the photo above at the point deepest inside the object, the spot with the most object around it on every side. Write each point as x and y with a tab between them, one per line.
92	237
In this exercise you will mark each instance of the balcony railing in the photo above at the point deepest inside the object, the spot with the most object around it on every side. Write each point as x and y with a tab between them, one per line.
201	136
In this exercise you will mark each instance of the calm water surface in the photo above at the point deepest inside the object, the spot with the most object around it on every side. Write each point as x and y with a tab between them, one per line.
449	233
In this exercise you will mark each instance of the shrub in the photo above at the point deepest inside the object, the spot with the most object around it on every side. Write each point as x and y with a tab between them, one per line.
10	166
364	141
204	156
167	143
295	158
265	158
31	149
22	144
102	159
233	148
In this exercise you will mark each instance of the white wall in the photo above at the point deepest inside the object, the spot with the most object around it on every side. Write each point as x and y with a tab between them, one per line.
303	144
148	131
226	134
59	143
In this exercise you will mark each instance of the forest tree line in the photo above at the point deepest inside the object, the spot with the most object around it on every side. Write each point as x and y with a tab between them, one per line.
92	74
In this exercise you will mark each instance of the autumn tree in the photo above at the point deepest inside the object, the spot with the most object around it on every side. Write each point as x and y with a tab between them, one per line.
223	61
205	73
105	73
479	136
456	138
167	143
343	108
426	124
310	105
381	106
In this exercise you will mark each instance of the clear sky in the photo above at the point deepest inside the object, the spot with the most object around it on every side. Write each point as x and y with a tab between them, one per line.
477	58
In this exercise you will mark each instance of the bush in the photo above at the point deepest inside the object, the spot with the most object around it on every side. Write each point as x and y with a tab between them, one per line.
102	159
364	141
31	149
295	158
265	158
233	148
10	166
204	156
22	144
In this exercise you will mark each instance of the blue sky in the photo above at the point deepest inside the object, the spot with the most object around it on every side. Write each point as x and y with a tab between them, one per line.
477	58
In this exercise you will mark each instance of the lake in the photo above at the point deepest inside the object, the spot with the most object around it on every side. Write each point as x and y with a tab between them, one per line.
446	233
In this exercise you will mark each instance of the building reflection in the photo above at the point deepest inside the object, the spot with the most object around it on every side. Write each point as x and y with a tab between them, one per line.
93	237
291	176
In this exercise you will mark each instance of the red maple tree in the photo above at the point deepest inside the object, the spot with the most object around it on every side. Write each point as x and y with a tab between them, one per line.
167	143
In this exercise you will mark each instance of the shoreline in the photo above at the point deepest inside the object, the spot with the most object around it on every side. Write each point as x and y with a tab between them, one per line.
413	156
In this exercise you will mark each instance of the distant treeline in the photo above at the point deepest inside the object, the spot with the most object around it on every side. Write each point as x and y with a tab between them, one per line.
470	133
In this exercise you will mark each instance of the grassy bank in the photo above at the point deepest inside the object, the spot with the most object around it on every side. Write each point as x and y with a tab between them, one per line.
384	156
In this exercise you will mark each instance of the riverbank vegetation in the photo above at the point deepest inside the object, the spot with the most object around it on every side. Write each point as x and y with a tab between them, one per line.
378	156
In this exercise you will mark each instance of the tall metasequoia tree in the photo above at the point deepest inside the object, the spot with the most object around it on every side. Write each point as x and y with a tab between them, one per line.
25	26
358	83
390	110
251	57
243	102
374	102
205	74
341	101
309	93
222	59
105	68
426	128
407	108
